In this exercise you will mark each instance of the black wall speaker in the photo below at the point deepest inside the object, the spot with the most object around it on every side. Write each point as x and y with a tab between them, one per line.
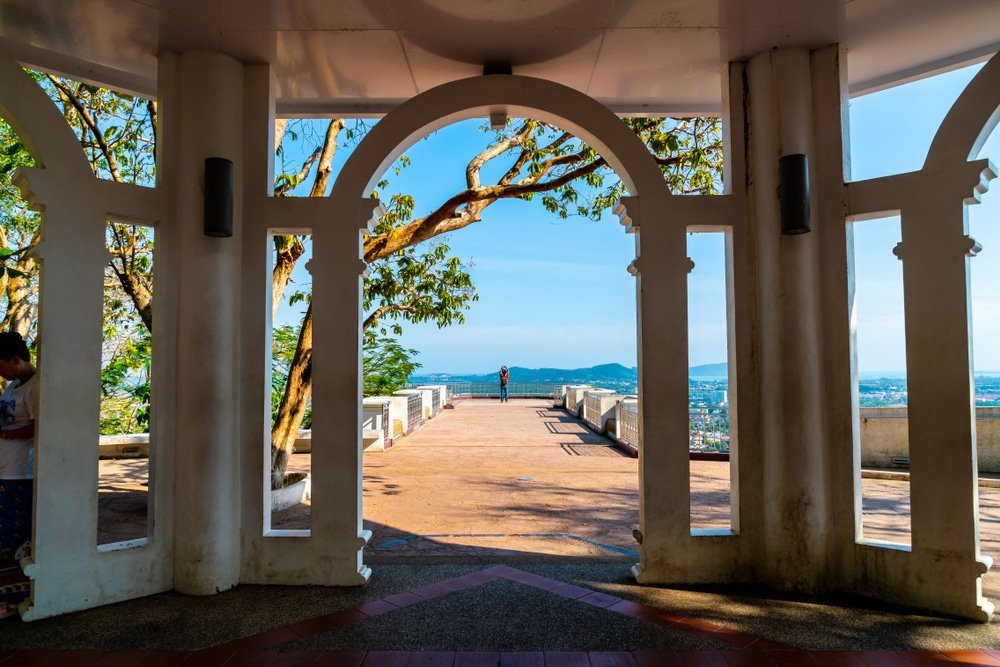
218	196
793	192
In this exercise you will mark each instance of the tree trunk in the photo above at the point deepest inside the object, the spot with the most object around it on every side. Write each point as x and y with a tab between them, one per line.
20	310
288	250
141	297
298	389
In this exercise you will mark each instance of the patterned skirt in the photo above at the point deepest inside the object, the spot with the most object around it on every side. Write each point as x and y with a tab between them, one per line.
15	530
15	515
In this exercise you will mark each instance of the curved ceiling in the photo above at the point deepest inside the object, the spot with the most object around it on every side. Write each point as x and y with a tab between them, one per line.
366	56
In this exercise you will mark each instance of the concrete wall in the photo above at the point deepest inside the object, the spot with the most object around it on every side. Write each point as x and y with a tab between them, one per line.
884	436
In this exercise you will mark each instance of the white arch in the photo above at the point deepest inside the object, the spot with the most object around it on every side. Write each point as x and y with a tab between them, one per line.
518	96
37	122
661	293
970	120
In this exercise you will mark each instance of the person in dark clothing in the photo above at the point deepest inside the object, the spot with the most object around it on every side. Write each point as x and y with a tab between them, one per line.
504	378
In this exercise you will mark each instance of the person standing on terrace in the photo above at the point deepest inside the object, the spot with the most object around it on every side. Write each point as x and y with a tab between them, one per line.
17	443
504	378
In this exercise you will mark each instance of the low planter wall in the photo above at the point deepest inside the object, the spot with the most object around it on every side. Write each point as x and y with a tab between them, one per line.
885	432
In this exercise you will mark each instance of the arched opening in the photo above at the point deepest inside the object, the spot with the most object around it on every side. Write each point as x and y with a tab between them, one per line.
886	140
589	314
116	133
519	478
336	462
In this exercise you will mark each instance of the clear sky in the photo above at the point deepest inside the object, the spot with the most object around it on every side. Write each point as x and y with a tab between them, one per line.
891	132
556	293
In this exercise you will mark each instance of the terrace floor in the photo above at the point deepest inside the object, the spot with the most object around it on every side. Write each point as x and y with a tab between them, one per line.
502	534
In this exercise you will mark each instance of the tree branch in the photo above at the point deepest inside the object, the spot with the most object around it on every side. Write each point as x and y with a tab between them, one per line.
326	158
68	96
447	218
286	185
476	163
382	311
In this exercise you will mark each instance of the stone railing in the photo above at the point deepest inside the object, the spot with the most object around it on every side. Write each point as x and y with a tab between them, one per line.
884	434
386	419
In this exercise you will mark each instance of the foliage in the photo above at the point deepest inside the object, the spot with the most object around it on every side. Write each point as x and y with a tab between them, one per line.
688	151
284	338
530	158
117	131
117	134
428	286
125	378
19	228
387	364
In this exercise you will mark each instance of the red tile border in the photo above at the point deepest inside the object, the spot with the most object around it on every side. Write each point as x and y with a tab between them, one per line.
431	659
477	658
344	617
748	659
599	600
702	658
376	607
933	658
315	658
791	658
567	659
404	599
973	657
244	657
570	591
656	659
386	659
522	659
247	659
611	659
838	659
313	626
884	659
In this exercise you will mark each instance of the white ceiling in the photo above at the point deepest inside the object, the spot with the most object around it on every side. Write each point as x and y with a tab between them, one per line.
366	56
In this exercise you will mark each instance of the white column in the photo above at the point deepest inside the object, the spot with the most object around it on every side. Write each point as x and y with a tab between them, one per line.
792	441
337	271
661	270
942	440
202	103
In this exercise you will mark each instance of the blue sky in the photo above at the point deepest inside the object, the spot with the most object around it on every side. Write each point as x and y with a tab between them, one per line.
891	132
556	293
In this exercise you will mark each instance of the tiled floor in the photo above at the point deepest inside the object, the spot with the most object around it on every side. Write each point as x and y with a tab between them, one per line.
264	649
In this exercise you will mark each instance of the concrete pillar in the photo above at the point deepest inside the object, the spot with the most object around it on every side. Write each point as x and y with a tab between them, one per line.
661	270
337	272
202	111
793	503
941	411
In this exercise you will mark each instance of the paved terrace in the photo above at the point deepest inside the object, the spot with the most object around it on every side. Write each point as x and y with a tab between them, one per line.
502	535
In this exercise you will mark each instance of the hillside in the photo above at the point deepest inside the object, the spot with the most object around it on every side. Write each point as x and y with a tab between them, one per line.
602	372
612	373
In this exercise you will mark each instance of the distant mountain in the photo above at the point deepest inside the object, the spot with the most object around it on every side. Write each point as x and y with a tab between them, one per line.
600	373
593	374
709	369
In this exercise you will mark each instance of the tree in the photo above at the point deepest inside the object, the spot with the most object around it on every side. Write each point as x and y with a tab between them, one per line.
18	234
387	364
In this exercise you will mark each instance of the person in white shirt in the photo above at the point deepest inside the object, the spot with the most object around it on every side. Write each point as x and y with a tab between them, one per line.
17	443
